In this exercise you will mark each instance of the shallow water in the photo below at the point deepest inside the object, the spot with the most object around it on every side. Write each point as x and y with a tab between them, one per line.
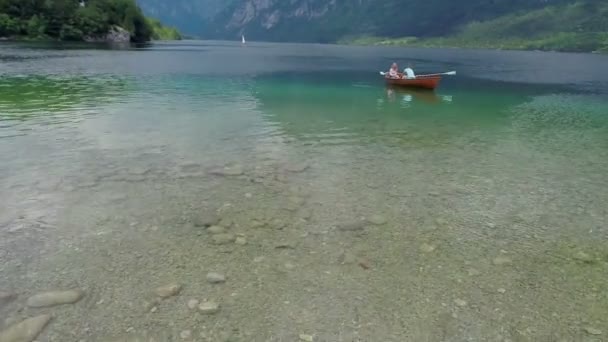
488	197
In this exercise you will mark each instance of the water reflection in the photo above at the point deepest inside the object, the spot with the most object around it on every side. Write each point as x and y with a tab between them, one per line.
320	113
23	98
407	96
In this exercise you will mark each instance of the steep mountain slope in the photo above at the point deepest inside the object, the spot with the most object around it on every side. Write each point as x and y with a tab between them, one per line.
329	20
335	20
190	16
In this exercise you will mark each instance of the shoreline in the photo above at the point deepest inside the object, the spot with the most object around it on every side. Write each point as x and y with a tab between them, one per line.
448	43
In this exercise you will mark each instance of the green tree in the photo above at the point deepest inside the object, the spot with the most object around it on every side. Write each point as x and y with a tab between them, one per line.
36	26
8	26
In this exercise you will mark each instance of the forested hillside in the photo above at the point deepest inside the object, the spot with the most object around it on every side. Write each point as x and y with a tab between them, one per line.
551	24
76	20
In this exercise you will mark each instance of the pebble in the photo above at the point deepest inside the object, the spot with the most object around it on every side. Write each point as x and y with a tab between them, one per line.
501	290
502	260
306	338
426	248
209	308
26	330
241	241
215	278
53	298
223	239
186	334
154	309
169	290
351	226
192	304
592	331
377	220
216	230
460	302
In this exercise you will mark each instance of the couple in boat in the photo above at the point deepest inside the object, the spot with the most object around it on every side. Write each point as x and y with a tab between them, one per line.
408	73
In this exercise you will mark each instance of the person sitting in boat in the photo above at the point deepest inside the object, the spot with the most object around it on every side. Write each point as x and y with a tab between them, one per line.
409	72
394	71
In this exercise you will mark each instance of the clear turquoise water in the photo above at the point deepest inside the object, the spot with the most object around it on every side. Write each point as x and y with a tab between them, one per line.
493	190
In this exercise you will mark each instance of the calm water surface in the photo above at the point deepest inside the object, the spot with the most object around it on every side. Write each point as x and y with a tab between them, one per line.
351	212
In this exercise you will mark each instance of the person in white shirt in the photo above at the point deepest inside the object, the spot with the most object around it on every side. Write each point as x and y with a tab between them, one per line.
394	71
409	72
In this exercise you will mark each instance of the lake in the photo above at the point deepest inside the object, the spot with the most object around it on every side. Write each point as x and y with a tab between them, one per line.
331	207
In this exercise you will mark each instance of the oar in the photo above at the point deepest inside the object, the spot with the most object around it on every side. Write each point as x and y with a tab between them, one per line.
449	73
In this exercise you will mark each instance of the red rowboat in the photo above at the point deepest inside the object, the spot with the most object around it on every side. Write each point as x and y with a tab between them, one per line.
421	81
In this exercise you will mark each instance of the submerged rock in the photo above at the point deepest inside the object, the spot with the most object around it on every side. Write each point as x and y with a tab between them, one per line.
460	302
592	331
53	298
223	239
209	308
206	220
228	170
257	223
169	290
25	331
192	304
306	338
473	272
502	260
241	241
186	334
347	258
6	297
215	278
216	230
377	220
297	167
426	248
351	226
584	257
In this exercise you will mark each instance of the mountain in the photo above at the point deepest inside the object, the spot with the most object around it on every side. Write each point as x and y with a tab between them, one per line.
328	21
190	16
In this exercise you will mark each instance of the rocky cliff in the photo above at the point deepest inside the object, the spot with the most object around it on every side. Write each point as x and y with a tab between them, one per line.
332	20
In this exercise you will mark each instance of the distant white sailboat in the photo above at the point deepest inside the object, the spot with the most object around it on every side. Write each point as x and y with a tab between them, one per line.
243	39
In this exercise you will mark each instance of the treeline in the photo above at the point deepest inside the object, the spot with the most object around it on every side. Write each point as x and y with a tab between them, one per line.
580	26
162	32
73	20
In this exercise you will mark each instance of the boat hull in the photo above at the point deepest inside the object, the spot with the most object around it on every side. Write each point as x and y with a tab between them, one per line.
420	82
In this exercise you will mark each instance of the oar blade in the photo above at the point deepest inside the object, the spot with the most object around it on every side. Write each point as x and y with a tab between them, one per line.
451	73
